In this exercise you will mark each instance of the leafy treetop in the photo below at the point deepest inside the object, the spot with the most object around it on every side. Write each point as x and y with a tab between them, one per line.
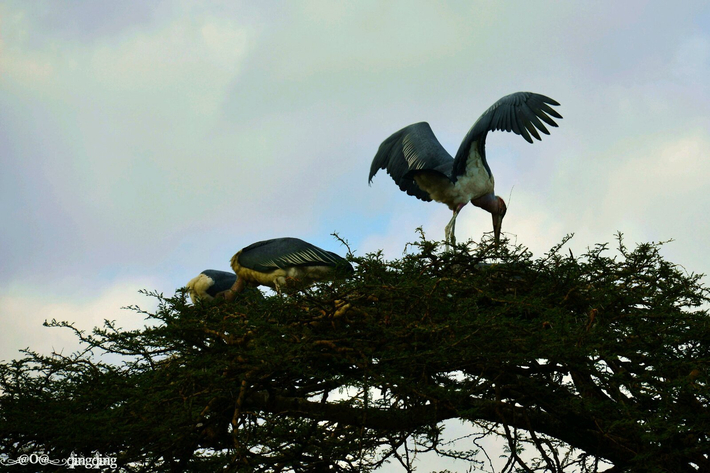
586	363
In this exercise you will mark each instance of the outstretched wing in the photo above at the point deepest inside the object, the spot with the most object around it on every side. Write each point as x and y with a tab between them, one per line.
411	149
521	112
281	253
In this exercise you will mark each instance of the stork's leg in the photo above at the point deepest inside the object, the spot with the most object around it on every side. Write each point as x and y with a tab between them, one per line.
453	229
449	235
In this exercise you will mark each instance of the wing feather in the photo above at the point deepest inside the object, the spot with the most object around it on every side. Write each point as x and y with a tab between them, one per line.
549	110
527	121
536	121
411	149
520	113
281	253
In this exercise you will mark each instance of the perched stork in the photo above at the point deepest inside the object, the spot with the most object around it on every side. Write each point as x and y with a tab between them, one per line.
272	262
210	284
421	167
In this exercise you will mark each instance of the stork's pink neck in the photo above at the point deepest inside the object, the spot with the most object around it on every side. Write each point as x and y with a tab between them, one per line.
489	202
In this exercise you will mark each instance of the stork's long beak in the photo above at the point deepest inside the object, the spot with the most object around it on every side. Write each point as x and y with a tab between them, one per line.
497	223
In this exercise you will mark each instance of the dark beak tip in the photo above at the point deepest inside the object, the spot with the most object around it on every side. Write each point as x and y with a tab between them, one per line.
497	224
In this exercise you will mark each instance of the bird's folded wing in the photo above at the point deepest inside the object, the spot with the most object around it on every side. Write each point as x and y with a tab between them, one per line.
282	253
221	280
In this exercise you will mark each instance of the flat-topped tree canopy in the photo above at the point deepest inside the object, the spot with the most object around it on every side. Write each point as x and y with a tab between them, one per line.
585	362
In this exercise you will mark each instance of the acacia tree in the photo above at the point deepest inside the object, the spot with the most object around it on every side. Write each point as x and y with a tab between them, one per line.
586	363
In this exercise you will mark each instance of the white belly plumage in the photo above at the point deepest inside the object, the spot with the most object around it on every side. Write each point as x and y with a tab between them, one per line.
473	183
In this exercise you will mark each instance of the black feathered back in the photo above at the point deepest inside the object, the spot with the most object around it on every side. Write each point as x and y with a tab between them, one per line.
223	280
281	253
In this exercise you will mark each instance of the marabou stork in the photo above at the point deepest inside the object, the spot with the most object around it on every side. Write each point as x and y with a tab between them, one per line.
210	284
213	284
421	167
273	262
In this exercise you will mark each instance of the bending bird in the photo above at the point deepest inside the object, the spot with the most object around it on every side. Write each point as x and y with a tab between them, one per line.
210	284
421	167
281	262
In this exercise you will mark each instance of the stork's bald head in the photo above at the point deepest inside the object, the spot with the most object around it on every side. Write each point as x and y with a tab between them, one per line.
496	206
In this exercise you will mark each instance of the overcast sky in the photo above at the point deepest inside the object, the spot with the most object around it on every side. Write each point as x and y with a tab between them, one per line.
142	142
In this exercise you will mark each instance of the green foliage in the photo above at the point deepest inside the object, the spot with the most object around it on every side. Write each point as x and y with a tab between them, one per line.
576	363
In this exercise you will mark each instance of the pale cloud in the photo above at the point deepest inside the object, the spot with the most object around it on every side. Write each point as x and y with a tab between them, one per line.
691	63
673	169
190	61
23	313
33	71
184	63
121	127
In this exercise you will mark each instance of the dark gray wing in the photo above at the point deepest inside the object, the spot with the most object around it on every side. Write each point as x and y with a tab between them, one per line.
281	253
411	149
222	280
521	112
